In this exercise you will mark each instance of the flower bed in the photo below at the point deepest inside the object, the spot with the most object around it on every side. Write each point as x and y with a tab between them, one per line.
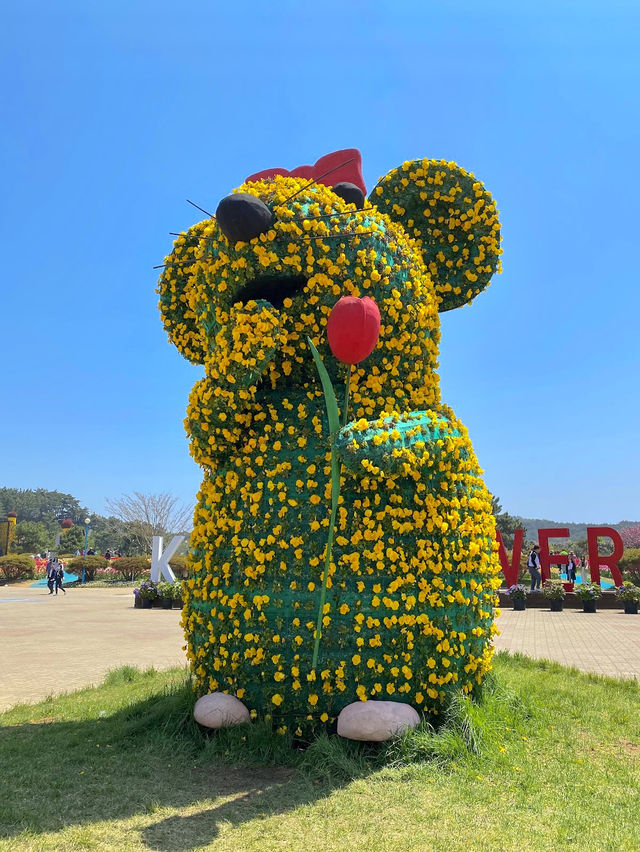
535	600
164	595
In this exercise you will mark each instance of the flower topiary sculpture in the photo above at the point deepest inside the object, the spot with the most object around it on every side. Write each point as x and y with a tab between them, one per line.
408	612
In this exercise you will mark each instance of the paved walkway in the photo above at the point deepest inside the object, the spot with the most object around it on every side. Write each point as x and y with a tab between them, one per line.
606	642
51	644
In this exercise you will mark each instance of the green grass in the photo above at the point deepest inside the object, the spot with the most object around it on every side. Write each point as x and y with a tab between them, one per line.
547	759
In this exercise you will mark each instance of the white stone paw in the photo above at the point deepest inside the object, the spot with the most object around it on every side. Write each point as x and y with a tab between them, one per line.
219	710
376	721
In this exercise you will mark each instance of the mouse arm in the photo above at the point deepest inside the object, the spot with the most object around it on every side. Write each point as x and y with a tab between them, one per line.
429	454
220	404
412	445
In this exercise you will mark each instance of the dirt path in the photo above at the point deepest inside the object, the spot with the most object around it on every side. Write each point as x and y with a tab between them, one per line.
606	642
57	644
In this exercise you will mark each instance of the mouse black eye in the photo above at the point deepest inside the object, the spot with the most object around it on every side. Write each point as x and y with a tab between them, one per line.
241	217
350	192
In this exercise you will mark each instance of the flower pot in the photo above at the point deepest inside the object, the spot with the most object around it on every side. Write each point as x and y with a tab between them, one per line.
588	606
137	601
157	603
556	605
167	603
519	606
177	604
631	607
146	603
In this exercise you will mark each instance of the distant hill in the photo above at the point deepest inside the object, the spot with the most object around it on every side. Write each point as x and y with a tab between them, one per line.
577	532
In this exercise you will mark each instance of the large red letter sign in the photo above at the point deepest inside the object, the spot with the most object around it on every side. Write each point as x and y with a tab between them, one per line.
512	570
596	560
558	558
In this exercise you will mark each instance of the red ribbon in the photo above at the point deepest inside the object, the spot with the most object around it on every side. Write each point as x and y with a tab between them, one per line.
351	172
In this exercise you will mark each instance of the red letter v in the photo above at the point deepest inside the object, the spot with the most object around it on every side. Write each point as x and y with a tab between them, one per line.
512	570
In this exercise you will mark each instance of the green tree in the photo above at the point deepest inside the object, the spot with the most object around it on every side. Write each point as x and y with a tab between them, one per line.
630	565
114	534
32	537
42	506
72	540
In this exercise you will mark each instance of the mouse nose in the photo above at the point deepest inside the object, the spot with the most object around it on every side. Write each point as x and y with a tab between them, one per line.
241	217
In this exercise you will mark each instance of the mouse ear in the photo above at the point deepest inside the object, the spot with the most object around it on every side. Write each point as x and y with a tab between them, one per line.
175	286
454	220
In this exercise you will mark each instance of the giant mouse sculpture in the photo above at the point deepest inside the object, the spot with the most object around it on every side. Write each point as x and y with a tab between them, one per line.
409	609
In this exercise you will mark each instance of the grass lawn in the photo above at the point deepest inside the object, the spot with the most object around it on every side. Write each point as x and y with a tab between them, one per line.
549	759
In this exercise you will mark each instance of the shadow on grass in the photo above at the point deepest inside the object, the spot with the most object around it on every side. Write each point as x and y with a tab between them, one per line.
140	759
254	794
151	755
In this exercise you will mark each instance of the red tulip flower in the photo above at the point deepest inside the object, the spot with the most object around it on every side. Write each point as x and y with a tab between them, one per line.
353	328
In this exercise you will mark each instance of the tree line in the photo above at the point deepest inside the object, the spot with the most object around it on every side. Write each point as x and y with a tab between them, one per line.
135	518
129	528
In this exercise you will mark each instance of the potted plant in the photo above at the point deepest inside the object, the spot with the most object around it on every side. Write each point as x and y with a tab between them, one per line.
630	596
137	600
177	594
165	593
518	595
588	594
147	592
555	593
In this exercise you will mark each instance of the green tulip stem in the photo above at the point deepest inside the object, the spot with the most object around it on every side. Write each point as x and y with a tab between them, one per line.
346	395
334	427
327	568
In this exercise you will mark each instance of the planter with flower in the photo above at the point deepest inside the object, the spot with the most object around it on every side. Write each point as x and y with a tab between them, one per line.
555	593
165	593
629	595
137	600
518	595
148	593
588	594
177	594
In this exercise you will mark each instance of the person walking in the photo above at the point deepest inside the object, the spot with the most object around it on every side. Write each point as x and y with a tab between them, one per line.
60	578
51	575
533	564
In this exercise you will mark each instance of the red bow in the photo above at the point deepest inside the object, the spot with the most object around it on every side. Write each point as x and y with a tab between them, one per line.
345	165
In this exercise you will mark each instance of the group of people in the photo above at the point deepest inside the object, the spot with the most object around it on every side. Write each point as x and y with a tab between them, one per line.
55	575
533	564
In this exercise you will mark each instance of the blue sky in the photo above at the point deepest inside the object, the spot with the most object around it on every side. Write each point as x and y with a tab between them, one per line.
116	112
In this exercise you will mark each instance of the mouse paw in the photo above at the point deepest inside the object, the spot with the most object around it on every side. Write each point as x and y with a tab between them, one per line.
219	710
376	721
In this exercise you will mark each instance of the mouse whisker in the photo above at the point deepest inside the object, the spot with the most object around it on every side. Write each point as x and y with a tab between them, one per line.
202	210
175	263
315	180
